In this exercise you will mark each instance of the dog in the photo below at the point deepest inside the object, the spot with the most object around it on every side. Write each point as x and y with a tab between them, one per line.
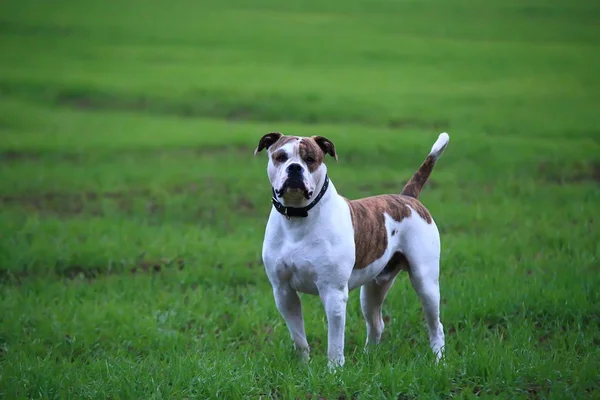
321	243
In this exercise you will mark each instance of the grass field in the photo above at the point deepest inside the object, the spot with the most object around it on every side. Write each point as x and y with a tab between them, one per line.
132	210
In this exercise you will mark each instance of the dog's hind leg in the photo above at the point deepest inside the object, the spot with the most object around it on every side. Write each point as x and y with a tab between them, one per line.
425	280
289	305
372	296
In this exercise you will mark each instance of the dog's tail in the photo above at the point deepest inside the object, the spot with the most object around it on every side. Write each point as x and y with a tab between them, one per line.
415	184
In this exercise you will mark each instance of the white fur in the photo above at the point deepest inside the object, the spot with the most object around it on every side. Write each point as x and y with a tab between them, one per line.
439	145
316	255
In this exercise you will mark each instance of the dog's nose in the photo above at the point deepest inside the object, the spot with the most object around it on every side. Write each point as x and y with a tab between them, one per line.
294	168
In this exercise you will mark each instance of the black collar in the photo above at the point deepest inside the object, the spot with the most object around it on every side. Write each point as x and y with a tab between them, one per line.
289	212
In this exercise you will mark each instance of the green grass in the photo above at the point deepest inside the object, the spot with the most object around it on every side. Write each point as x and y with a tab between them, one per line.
132	210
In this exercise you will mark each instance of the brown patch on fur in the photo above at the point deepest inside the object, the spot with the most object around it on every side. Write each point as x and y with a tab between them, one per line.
283	140
370	235
275	156
326	145
276	148
309	149
415	184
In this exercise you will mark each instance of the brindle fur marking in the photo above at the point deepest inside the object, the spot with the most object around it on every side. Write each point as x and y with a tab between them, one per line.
415	184
310	149
370	235
275	148
283	140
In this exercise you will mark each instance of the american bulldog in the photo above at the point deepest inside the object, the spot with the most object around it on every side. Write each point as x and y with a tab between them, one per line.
318	242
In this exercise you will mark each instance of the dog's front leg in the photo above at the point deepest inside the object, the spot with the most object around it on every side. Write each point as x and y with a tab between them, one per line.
289	305
335	299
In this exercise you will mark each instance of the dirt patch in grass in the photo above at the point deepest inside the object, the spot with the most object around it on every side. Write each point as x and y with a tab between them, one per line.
145	266
87	273
142	266
537	390
561	174
103	102
79	271
245	204
71	204
15	277
61	204
142	201
595	169
226	105
261	109
38	29
12	156
200	107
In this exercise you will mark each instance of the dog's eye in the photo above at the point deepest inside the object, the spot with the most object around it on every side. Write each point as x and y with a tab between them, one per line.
281	158
310	160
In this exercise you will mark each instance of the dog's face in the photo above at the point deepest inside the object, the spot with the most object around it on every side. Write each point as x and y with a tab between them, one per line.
295	164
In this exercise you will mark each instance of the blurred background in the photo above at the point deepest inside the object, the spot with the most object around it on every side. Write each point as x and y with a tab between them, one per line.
132	210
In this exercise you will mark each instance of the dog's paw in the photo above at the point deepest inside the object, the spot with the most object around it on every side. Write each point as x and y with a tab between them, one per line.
440	356
335	364
303	355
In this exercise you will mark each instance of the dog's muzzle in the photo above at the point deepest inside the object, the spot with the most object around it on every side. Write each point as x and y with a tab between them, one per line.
294	185
294	182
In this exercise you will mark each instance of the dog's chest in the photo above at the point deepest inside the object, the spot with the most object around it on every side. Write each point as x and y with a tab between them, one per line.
306	251
299	265
302	263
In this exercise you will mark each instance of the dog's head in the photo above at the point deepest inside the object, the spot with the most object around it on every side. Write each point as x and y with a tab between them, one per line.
296	164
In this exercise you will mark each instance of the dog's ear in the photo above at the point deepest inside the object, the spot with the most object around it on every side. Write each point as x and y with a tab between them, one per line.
267	141
326	145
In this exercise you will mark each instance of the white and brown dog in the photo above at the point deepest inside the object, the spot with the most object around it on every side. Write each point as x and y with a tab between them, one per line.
321	243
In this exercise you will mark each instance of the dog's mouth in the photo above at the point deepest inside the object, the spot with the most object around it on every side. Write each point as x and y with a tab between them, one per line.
294	186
